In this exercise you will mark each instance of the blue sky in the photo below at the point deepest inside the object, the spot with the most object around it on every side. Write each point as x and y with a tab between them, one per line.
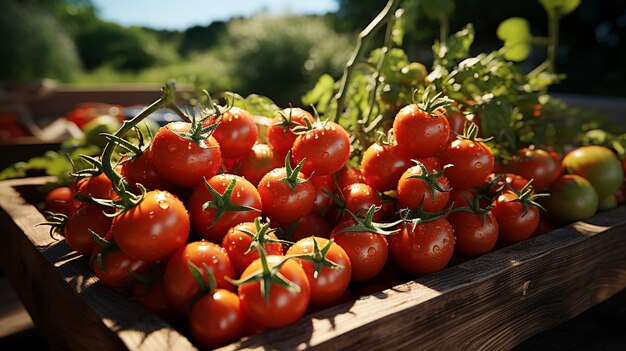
181	14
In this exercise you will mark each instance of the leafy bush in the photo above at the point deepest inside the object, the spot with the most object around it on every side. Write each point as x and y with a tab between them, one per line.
34	45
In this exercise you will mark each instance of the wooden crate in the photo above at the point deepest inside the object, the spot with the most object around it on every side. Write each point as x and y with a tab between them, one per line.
492	302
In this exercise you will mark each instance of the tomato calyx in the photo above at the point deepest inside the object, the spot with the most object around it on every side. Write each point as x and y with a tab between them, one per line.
56	221
291	177
430	178
261	237
206	286
287	120
367	224
94	170
222	203
474	207
527	197
107	246
433	105
470	132
318	258
418	216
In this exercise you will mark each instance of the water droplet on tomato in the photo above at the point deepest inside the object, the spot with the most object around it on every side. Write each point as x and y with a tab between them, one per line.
238	194
317	136
164	205
325	154
172	147
416	247
151	214
371	251
478	165
436	249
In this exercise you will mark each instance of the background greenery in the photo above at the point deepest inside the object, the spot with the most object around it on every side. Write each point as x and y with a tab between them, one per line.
283	57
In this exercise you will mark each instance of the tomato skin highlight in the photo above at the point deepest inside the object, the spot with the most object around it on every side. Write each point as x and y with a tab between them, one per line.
153	229
420	134
389	158
282	307
423	249
325	149
331	283
368	252
171	154
244	194
217	319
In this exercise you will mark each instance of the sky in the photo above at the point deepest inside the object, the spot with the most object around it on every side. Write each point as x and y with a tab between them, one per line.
182	14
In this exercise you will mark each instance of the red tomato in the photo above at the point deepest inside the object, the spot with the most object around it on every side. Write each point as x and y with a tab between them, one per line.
384	157
236	133
115	268
515	222
311	224
424	248
461	198
181	160
140	169
76	229
457	120
213	222
152	297
348	176
472	162
419	133
153	229
281	203
180	286
98	186
475	234
258	162
280	135
358	198
413	192
325	149
536	164
237	243
324	186
504	182
367	251
61	200
330	283
282	305
217	319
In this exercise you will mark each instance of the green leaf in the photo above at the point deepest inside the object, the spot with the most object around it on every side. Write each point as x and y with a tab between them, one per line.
257	105
495	119
515	32
321	94
560	8
397	32
456	46
435	9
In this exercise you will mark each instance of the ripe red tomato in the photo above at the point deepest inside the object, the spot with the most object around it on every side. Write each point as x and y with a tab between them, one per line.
331	282
348	175
507	181
282	305
115	268
61	200
76	229
419	133
325	149
312	224
154	228
475	234
472	162
515	222
280	135
424	248
180	286
258	162
536	164
152	296
98	186
236	133
213	222
413	192
181	160
389	158
358	198
324	186
217	319
367	251
462	198
281	203
457	121
237	243
140	169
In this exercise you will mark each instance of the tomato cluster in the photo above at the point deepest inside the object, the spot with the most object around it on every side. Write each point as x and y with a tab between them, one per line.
236	232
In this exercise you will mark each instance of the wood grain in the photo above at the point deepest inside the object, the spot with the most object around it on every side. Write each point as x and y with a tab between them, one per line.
493	302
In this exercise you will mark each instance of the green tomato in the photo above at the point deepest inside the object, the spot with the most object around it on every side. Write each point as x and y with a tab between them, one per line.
599	165
608	203
572	198
98	125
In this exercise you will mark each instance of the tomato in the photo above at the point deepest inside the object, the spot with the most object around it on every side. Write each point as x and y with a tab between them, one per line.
282	306
183	161
98	186
598	165
419	133
515	222
61	200
217	319
152	297
348	175
417	188
180	286
236	133
115	268
572	198
324	186
140	169
389	158
237	243
507	181
281	202
280	135
475	234
462	198
76	229
358	198
367	251
458	120
312	224
536	164
258	162
237	202
325	149
154	228
424	248
472	162
329	281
